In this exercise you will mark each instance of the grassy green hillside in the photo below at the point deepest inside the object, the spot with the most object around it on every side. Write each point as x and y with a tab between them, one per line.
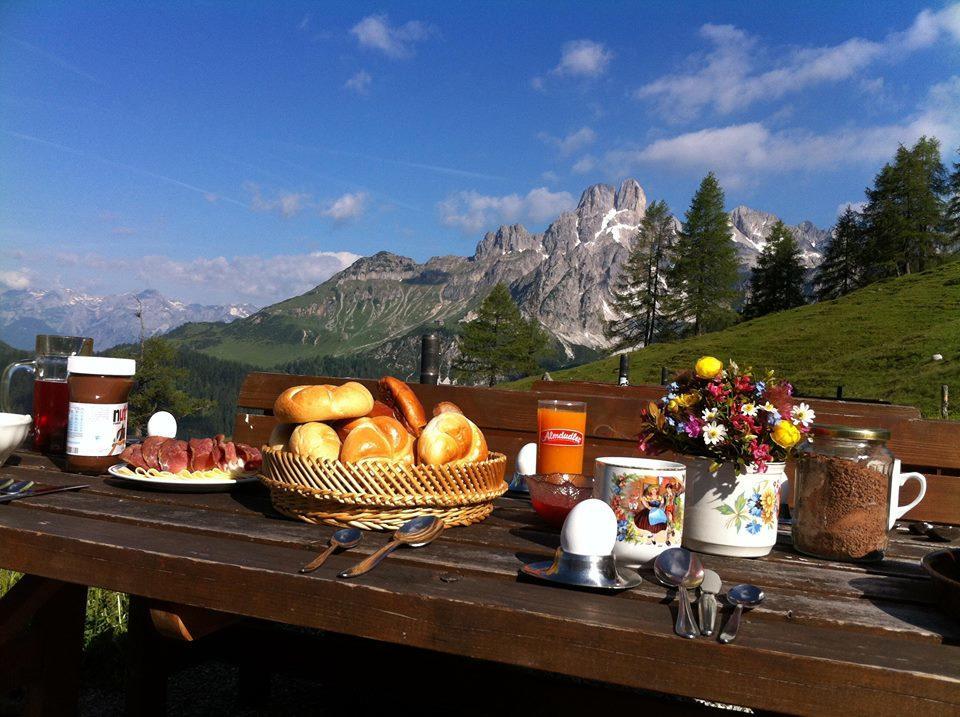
877	342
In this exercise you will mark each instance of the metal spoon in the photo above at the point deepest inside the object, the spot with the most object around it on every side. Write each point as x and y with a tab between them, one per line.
741	596
344	538
679	568
708	601
416	533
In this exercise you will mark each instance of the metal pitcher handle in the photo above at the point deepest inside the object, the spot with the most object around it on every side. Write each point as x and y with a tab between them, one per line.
6	404
897	511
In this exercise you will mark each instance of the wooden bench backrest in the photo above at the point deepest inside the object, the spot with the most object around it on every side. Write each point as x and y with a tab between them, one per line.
509	418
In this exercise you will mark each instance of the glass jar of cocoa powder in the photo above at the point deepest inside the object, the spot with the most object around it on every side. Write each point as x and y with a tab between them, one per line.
842	498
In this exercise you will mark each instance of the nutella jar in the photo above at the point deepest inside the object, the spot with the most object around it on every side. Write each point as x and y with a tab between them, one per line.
97	422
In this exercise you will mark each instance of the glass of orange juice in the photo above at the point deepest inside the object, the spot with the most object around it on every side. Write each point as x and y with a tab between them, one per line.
561	426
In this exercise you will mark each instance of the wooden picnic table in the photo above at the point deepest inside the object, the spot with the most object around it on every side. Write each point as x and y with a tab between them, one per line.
830	638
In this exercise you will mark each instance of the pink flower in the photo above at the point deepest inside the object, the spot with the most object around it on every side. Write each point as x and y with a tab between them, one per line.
717	390
694	427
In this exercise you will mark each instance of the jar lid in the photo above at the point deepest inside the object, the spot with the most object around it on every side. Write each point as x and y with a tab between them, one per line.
101	366
863	434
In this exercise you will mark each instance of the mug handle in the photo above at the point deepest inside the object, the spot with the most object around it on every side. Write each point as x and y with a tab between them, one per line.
897	511
6	404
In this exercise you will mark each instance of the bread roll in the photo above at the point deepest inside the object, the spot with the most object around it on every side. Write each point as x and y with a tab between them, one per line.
451	438
345	426
382	438
280	436
315	440
446	407
406	406
302	404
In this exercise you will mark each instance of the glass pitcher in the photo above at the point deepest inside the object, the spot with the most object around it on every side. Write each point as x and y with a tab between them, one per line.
51	399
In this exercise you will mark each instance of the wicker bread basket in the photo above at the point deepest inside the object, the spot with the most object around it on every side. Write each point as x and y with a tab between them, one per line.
381	496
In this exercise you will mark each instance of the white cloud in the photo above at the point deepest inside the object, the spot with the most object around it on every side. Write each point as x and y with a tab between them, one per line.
728	78
348	206
359	82
549	176
286	204
473	212
742	152
15	279
375	32
252	278
585	164
572	142
583	58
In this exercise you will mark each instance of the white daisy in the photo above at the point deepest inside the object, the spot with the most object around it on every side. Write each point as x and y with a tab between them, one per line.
714	433
749	409
709	414
803	414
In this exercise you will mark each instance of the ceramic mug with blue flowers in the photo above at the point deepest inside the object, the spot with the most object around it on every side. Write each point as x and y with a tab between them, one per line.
647	497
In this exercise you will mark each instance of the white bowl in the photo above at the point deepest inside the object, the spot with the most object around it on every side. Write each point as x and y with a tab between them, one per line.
13	430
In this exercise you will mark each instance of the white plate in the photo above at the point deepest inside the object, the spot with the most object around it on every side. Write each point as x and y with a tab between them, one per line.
180	484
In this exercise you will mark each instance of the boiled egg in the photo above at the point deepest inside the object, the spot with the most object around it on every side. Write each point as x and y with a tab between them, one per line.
162	423
590	529
527	460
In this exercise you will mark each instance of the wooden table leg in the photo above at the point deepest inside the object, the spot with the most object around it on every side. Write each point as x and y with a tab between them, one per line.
41	633
147	668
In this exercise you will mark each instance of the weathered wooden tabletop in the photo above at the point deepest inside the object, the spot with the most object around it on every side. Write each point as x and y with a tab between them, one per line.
829	638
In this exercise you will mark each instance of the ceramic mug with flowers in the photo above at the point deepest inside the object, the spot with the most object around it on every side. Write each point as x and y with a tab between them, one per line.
734	429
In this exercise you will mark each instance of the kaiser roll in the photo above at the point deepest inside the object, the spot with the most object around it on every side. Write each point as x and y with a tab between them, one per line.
345	426
302	404
381	438
406	406
451	438
315	440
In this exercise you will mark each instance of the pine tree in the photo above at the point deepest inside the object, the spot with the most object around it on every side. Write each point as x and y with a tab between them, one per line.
638	291
157	385
704	277
905	212
499	343
839	272
953	209
776	281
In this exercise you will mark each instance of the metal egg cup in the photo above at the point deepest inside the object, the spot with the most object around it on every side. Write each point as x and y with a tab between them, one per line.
599	572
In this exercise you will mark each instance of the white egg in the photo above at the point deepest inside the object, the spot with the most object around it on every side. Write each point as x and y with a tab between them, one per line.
527	460
590	529
162	424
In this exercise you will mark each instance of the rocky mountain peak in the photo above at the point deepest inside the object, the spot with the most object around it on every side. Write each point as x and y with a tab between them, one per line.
630	197
507	239
596	199
382	265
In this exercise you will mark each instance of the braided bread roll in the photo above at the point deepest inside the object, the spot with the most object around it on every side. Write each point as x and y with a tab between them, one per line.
381	438
451	437
302	404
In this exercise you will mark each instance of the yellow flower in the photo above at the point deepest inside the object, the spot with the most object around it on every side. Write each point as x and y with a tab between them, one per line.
785	434
708	367
672	405
688	400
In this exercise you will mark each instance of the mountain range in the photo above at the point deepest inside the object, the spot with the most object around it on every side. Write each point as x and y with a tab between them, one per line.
377	307
109	320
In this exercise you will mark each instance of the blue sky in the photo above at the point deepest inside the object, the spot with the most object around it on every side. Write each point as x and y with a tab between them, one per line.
244	151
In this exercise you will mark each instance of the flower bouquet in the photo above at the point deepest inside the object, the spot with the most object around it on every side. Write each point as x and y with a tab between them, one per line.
730	416
734	430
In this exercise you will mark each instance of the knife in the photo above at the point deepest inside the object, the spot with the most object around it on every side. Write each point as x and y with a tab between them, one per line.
39	491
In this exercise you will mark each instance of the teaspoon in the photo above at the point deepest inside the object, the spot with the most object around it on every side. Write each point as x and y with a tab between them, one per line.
741	596
416	533
345	538
679	568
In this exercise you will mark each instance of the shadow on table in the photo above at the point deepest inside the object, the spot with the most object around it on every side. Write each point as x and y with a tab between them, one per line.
921	612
